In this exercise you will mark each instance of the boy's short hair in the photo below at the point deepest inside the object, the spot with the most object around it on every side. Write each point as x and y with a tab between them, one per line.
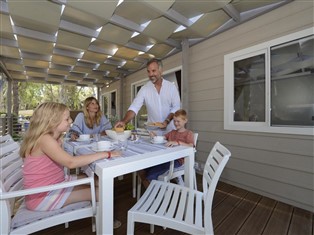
181	113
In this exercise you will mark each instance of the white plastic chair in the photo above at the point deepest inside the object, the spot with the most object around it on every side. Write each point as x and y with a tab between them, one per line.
172	173
179	171
178	207
25	221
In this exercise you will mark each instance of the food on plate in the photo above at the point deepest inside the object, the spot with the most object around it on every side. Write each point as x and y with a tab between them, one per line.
158	124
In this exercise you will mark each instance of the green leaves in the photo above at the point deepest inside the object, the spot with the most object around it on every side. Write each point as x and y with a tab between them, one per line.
129	126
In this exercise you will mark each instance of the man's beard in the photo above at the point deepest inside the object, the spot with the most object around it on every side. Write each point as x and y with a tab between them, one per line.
153	79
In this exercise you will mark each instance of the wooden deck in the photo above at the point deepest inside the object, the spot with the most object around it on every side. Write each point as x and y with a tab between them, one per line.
235	211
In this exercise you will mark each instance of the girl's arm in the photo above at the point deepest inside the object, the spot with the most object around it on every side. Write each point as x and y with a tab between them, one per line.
50	146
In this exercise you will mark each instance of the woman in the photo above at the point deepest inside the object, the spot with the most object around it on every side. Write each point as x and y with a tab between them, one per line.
90	121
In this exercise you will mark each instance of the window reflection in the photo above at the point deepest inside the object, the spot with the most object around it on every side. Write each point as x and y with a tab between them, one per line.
292	83
249	89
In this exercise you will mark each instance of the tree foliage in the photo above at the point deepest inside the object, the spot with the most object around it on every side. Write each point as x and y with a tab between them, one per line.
32	94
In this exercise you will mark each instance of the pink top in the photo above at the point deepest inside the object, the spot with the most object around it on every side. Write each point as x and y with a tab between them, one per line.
40	171
186	136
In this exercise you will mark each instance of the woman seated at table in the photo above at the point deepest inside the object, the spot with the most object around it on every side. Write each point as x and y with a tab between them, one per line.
90	121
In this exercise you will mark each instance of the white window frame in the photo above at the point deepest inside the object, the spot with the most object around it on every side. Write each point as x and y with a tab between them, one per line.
229	59
108	95
134	86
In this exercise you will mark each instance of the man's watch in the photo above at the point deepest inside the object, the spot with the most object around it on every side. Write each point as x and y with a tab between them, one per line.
168	120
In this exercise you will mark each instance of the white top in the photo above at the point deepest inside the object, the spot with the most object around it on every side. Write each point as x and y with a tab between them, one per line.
158	106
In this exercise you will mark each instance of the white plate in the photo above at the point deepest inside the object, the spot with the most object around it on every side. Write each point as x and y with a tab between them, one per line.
80	140
163	142
94	148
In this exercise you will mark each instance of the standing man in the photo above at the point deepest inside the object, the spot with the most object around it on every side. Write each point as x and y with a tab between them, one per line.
160	96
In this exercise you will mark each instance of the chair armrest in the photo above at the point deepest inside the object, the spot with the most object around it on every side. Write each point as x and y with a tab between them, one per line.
24	192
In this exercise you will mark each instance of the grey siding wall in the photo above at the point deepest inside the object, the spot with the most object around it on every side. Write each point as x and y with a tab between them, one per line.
274	165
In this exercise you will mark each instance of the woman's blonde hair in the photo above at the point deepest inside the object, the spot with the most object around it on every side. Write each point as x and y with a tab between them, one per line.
88	120
46	117
181	113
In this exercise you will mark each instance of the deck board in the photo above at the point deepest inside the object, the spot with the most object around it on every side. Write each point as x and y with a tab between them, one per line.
258	219
301	223
235	211
279	221
239	215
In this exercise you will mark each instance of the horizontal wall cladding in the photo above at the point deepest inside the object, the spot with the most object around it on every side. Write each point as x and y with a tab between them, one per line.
206	104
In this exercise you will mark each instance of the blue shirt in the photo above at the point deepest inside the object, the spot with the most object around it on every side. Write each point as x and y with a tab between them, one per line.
79	126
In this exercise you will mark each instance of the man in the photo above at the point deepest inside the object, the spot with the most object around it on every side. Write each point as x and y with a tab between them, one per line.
160	96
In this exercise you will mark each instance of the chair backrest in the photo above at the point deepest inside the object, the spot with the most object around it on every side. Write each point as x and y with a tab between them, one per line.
195	140
11	176
216	161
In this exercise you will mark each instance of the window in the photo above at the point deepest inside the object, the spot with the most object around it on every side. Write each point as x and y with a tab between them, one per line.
270	87
109	104
141	116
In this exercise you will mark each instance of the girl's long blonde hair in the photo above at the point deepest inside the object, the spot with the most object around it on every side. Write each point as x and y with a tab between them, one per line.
88	120
46	117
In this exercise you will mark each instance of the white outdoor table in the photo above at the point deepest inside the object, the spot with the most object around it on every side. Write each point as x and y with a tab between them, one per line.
137	157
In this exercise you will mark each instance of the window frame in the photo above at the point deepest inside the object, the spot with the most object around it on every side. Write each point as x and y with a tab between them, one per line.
108	114
229	59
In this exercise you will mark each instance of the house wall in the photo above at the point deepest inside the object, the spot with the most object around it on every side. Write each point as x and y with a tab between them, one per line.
275	165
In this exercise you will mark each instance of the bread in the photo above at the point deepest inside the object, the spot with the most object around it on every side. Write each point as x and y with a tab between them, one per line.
159	124
119	129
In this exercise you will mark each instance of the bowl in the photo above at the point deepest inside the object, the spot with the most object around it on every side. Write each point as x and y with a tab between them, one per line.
122	136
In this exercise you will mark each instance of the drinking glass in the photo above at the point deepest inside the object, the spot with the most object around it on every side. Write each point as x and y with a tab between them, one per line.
97	137
123	144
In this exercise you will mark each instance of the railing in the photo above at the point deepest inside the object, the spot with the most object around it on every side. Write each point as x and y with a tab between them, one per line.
13	127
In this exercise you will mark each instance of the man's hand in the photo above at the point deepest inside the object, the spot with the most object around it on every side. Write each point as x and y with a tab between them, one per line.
120	124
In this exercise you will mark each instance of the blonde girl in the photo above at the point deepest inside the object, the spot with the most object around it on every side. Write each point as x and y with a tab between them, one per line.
44	159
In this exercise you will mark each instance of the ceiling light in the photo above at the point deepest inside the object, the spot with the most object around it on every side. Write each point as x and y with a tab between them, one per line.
120	1
99	29
93	39
135	34
62	8
114	51
145	24
149	46
180	28
196	18
12	23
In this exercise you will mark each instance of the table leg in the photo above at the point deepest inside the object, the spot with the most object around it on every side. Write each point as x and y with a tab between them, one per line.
106	204
188	170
